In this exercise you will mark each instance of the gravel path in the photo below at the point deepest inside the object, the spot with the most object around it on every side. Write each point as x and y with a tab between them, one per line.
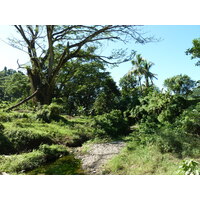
97	155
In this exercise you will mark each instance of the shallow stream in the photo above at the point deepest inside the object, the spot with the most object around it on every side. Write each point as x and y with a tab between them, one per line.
66	165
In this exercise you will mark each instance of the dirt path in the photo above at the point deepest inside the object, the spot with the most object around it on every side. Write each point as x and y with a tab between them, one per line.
97	155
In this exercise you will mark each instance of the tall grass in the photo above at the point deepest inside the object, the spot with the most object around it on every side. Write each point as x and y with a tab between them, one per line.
142	160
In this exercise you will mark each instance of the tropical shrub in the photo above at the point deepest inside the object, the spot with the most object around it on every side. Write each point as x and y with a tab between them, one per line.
1	128
169	141
189	121
110	125
50	112
5	144
5	117
81	134
148	125
189	167
162	107
22	162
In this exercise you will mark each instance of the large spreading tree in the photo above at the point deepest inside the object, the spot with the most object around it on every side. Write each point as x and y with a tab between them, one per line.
42	44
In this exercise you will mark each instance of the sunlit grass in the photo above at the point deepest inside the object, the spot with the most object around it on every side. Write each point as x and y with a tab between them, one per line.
19	163
142	161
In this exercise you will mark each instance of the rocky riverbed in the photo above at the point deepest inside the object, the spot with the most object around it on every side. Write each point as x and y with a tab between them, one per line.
93	157
97	156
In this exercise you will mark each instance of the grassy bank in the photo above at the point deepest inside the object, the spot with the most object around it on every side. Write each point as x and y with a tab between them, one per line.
29	140
31	143
27	143
166	151
20	163
138	160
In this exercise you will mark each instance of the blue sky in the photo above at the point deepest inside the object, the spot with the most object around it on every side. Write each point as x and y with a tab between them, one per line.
168	54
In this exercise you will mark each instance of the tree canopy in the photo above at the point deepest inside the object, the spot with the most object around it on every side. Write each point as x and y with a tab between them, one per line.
14	85
194	51
180	84
141	69
50	47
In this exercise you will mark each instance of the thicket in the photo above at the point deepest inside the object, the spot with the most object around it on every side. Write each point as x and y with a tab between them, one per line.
159	107
110	125
178	133
141	113
73	81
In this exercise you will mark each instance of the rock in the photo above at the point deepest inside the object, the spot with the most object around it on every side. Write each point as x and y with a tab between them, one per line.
4	173
98	155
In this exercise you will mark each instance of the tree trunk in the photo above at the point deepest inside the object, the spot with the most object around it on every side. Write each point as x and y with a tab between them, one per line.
147	81
45	93
140	84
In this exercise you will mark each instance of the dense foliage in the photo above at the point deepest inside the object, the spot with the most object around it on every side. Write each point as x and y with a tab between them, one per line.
161	127
111	125
14	85
180	84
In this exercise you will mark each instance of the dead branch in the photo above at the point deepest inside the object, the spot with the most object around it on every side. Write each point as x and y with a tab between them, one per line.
23	101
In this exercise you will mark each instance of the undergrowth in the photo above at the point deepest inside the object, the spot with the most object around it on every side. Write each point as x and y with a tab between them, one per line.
142	160
27	161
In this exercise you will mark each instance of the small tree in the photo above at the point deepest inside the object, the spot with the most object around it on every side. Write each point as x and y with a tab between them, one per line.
180	84
17	86
108	98
129	92
13	84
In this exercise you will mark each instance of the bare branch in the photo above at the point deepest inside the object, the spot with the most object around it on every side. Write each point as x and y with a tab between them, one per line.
23	101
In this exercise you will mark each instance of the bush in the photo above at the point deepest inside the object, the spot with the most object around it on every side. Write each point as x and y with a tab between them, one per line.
81	134
44	114
161	107
8	117
173	109
5	117
169	142
167	138
49	112
110	125
5	145
170	138
148	125
189	121
4	104
189	167
180	137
